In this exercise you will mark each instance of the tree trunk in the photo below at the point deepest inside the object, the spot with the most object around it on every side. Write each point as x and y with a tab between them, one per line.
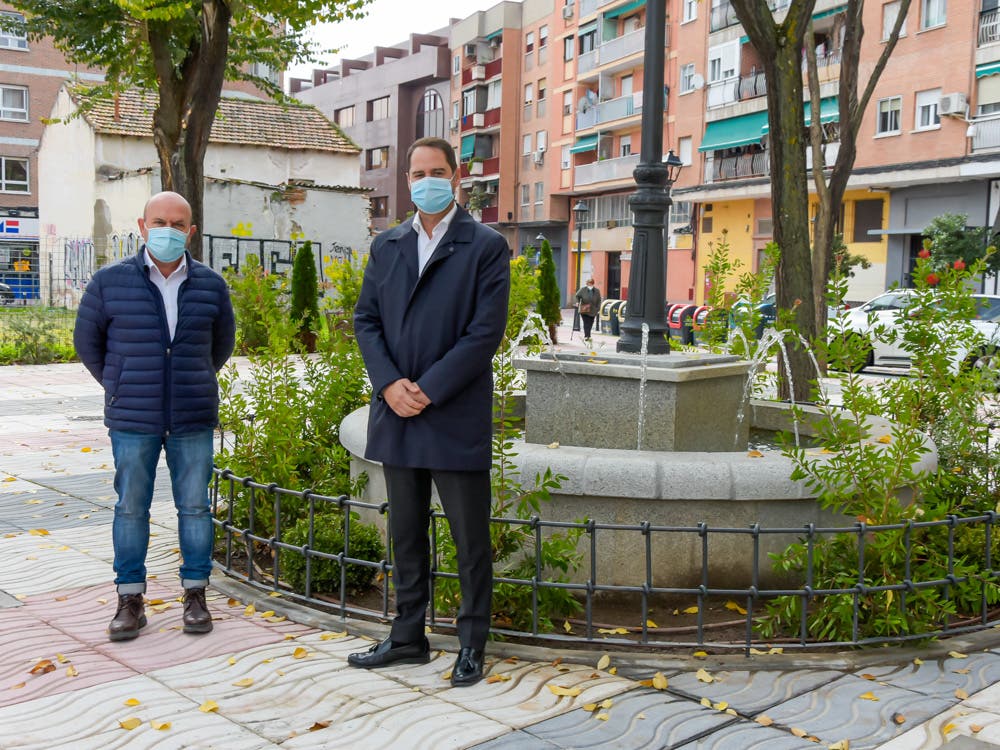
189	98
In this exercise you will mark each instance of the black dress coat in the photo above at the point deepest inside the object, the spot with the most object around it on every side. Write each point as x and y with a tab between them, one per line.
440	329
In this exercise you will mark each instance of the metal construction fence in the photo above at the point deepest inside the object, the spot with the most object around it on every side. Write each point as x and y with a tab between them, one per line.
255	553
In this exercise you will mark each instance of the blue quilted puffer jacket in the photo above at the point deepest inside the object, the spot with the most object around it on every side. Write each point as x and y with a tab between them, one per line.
152	384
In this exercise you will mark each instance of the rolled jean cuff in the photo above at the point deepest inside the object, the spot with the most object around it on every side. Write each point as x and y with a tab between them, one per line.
131	588
194	583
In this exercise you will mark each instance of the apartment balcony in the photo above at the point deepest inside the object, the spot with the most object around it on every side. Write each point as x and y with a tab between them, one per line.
613	109
989	27
489	118
721	168
739	89
490	215
830	151
987	133
612	50
605	170
751	86
722	16
483	168
494	68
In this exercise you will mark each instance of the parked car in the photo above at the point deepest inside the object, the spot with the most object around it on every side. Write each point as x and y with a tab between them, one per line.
888	351
767	311
6	295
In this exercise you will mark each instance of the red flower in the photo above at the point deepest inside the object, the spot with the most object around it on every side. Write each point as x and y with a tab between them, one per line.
959	265
925	253
932	279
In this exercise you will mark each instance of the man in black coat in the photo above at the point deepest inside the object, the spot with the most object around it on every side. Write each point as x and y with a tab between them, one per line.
431	314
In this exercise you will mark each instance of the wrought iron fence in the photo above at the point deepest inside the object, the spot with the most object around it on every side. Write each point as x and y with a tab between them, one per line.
239	546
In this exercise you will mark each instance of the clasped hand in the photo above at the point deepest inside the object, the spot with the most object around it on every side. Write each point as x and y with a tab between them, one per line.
405	398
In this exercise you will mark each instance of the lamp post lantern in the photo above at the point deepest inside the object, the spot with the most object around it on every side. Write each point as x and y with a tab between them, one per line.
580	211
650	203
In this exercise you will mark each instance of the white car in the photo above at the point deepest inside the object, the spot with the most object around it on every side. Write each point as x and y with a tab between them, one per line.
887	351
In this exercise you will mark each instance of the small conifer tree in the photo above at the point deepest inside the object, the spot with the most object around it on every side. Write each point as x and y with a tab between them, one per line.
305	295
548	291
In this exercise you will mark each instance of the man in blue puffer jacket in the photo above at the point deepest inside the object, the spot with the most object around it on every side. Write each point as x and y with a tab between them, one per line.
154	330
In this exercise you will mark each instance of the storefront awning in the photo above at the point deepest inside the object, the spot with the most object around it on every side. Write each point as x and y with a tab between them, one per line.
586	143
829	111
736	131
988	69
468	147
624	9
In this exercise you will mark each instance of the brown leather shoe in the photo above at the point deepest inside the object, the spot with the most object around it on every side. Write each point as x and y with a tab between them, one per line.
197	618
129	619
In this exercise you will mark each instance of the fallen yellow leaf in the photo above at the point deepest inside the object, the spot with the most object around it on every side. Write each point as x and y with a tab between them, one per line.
776	650
947	728
268	613
699	654
651	624
957	655
233	602
867	676
18	686
495	678
757	652
10	479
604	662
130	724
564	691
231	661
274	593
319	725
885	439
133	702
613	670
249	611
162	726
961	694
71	671
869	696
691	611
607	703
332	636
38	532
706	702
842	745
85	449
755	454
300	653
962	671
659	681
764	720
898	718
589	706
245	682
277	618
918	662
734	607
601	717
567	627
208	706
446	675
721	706
43	667
975	728
704	676
552	445
798	732
61	659
613	631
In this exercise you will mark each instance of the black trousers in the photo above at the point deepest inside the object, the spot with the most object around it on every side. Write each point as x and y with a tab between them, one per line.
588	322
465	497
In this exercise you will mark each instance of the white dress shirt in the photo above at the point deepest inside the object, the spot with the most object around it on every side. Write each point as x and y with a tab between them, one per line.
168	288
427	243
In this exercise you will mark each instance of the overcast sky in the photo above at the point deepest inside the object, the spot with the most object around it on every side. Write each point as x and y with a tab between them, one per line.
388	22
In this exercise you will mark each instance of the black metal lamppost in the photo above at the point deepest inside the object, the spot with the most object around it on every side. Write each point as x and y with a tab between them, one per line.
650	204
580	211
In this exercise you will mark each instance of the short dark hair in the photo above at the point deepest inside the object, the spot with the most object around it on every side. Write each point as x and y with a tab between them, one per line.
440	144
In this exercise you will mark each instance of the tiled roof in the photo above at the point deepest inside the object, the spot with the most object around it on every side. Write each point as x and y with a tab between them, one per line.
246	122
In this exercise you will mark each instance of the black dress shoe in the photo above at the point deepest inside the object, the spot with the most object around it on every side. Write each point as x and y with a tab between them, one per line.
387	652
129	619
468	669
197	618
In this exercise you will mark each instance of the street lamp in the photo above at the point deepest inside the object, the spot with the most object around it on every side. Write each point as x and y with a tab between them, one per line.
580	211
650	203
539	239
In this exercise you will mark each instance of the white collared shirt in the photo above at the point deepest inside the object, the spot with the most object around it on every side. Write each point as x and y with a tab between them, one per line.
168	287
427	243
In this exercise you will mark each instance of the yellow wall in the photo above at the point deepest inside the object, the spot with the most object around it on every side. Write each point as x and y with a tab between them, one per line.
737	218
871	282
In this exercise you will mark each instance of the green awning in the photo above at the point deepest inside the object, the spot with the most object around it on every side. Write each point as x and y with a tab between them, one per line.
736	131
829	111
624	9
988	69
587	143
468	147
494	35
583	30
829	12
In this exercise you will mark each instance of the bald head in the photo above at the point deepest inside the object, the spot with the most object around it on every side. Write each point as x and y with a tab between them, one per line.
167	202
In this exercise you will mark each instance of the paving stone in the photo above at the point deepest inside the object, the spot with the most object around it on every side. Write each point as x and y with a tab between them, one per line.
750	692
639	719
32	564
6	600
25	639
74	671
941	677
49	509
967	729
748	735
838	712
518	740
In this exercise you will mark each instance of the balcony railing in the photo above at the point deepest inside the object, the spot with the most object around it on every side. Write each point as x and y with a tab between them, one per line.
614	49
989	27
722	17
987	133
613	109
830	151
489	118
825	60
751	86
723	92
742	165
494	68
485	167
491	214
608	169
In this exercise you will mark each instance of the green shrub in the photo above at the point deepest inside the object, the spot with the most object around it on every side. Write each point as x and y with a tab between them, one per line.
548	291
259	301
328	537
36	336
305	295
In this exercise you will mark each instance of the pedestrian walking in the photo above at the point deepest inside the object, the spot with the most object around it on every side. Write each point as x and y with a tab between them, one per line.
430	316
588	299
154	329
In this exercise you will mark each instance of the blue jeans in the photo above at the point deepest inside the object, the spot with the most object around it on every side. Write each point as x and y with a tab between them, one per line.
189	459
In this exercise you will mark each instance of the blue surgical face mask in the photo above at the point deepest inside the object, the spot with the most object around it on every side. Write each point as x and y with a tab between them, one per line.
166	244
432	195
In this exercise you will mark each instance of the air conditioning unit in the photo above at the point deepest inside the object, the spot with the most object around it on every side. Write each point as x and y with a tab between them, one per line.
568	11
538	157
470	50
952	104
454	123
495	42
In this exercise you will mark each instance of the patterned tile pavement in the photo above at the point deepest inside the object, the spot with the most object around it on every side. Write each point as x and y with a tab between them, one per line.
262	680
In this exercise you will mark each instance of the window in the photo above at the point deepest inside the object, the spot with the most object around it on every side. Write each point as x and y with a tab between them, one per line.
456	65
543	36
684	151
680	212
529	93
687	78
932	13
262	70
567	102
541	88
14	103
568	48
529	41
625	145
493	94
525	194
380	207
723	61
344	116
468	101
456	110
526	144
378	109
626	85
541	140
889	111
539	192
13	39
588	41
927	110
15	175
631	24
867	216
377	158
564	158
689	10
890	11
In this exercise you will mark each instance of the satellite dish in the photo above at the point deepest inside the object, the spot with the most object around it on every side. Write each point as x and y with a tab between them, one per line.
697	81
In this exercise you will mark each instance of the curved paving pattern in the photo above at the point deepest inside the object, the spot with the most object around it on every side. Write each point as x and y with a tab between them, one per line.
275	683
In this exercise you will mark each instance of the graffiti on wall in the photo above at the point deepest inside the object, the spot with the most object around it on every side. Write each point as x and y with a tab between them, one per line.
77	262
121	246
